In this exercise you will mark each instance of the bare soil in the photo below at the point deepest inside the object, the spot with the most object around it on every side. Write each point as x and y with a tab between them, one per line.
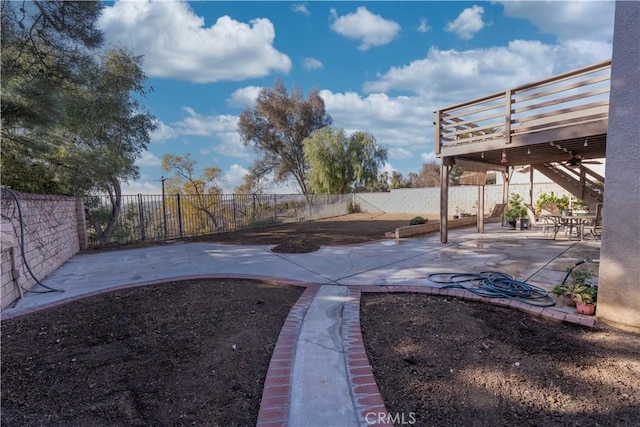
180	353
299	237
163	355
457	363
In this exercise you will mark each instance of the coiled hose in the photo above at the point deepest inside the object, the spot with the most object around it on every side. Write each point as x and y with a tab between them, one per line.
494	284
22	251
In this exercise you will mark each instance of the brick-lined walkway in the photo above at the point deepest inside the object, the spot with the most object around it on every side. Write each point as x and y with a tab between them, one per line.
368	407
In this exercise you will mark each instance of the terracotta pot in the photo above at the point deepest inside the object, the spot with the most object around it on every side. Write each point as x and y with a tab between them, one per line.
568	301
587	309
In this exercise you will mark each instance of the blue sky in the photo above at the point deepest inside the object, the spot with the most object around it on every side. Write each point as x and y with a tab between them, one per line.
382	67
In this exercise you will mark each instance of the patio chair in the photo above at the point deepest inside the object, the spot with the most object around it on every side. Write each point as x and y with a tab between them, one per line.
541	223
595	227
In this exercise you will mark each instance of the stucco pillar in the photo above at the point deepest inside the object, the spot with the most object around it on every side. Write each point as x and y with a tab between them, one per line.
619	275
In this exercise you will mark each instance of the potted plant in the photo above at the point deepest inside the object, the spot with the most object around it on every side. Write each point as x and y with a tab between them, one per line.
457	215
586	300
551	203
567	292
515	211
579	289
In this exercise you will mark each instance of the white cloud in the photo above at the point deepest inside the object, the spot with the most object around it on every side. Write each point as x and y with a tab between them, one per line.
244	97
429	157
224	128
148	159
233	177
567	20
162	133
447	77
423	27
176	43
372	30
300	8
402	124
468	23
141	187
197	124
400	153
311	64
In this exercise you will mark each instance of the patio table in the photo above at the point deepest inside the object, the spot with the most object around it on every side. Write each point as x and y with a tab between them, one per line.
577	221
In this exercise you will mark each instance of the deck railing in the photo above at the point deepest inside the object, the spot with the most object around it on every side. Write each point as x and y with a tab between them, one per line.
575	97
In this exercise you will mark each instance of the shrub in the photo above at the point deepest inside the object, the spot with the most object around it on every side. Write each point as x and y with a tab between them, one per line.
516	208
417	220
353	208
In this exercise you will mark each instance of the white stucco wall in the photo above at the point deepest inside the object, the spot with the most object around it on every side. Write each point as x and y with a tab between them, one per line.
619	275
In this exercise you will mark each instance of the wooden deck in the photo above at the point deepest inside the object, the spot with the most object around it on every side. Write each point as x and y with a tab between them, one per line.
551	120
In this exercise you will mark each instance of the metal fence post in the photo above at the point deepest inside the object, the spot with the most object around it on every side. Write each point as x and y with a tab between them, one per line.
233	203
141	214
164	208
179	215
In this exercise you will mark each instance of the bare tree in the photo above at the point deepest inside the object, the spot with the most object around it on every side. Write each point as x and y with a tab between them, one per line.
277	127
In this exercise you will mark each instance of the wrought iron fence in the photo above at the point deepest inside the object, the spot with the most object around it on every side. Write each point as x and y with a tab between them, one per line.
156	217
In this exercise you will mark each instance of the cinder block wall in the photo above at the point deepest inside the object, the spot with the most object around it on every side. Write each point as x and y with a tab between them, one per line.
53	233
462	199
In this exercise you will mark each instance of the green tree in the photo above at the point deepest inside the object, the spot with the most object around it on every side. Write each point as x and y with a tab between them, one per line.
71	119
108	132
339	163
46	47
201	191
277	127
398	181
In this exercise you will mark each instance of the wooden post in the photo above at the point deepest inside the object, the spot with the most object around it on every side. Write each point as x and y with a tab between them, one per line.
505	196
444	199
480	213
436	136
530	185
507	117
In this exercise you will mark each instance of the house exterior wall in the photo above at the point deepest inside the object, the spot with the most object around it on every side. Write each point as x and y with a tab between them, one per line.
53	231
619	275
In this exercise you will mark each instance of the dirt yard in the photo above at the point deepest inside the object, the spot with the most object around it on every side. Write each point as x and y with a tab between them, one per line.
459	363
183	353
302	237
164	355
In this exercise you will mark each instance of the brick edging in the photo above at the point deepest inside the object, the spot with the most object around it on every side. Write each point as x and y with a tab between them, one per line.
547	313
367	400
276	394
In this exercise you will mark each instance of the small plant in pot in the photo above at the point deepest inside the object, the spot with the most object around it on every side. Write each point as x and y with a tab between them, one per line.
580	284
567	292
515	211
586	300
